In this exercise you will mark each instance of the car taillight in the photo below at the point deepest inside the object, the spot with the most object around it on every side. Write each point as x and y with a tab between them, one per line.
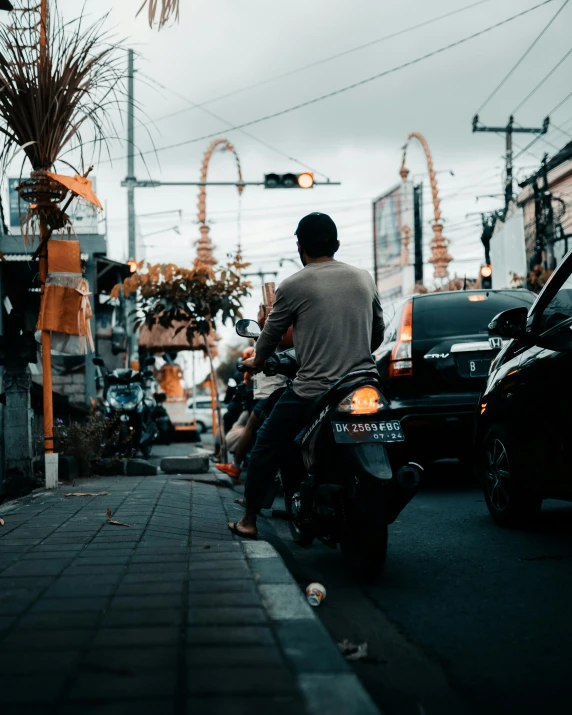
401	362
363	401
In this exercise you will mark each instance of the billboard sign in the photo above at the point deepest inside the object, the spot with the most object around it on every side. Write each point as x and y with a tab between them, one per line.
508	250
387	225
84	216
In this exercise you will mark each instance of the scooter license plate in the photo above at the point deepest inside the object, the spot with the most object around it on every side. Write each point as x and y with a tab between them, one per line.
368	431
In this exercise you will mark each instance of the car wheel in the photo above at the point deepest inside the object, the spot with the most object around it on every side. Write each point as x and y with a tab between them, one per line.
201	427
509	503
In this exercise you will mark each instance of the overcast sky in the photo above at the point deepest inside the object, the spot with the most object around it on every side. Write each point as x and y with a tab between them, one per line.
222	46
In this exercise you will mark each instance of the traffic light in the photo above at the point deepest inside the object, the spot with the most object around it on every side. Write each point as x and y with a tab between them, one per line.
289	181
487	276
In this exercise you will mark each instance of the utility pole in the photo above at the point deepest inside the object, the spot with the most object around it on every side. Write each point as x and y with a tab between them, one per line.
262	275
130	180
508	131
131	183
418	232
547	218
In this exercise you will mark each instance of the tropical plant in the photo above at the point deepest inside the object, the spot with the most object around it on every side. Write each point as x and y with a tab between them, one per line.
90	441
161	10
190	299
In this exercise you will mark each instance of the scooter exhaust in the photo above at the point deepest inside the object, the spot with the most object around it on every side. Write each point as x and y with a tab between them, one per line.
409	476
402	490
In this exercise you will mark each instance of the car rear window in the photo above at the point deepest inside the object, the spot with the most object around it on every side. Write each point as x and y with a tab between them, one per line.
463	312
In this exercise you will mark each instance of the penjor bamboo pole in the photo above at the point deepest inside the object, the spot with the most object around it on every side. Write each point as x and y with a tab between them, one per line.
217	413
46	350
44	236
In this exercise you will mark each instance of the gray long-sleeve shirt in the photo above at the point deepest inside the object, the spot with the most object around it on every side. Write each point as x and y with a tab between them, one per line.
338	322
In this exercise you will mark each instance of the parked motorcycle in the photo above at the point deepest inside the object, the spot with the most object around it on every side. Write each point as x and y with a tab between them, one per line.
353	481
126	397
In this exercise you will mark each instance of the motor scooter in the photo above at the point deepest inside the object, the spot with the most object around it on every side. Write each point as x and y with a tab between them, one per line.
127	401
352	482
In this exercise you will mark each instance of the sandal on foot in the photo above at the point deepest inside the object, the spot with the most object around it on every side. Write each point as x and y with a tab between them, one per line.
240	501
233	526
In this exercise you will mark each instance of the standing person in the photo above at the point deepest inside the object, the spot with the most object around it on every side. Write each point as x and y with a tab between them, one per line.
338	323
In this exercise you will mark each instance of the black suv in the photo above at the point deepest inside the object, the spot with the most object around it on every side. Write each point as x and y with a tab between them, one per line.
433	362
524	417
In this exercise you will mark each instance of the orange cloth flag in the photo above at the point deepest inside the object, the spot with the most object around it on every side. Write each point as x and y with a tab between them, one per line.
65	308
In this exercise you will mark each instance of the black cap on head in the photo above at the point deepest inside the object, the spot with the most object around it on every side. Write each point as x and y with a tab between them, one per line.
318	235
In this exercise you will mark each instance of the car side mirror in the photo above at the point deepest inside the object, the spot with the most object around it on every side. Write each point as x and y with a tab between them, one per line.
248	328
149	360
510	323
99	362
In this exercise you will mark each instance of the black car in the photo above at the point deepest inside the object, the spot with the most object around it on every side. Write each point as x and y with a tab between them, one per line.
523	434
433	362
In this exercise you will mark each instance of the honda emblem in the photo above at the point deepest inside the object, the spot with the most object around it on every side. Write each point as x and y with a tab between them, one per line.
495	343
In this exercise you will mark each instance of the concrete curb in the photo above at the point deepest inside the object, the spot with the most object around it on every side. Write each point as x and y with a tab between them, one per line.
324	677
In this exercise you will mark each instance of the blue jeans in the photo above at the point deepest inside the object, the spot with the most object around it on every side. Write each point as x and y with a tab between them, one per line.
274	447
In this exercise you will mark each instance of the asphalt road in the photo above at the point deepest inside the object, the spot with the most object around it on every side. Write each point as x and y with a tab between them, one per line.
468	617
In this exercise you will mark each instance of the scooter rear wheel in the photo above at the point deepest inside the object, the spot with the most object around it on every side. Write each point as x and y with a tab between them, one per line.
366	549
300	536
364	539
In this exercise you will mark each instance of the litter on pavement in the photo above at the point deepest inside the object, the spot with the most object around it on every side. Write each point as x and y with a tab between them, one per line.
353	651
87	494
315	593
112	521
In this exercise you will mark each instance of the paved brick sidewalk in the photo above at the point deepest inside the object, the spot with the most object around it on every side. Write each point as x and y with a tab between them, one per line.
170	615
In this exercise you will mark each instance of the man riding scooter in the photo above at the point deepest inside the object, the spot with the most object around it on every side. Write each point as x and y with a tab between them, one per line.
316	301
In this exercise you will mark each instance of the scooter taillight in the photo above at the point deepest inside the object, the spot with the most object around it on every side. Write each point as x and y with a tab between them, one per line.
365	400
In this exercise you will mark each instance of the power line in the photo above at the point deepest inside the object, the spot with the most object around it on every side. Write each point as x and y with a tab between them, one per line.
542	81
554	109
248	134
562	131
566	98
325	59
523	57
354	85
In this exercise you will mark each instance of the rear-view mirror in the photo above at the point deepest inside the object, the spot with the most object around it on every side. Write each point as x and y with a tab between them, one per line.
510	323
248	328
99	362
